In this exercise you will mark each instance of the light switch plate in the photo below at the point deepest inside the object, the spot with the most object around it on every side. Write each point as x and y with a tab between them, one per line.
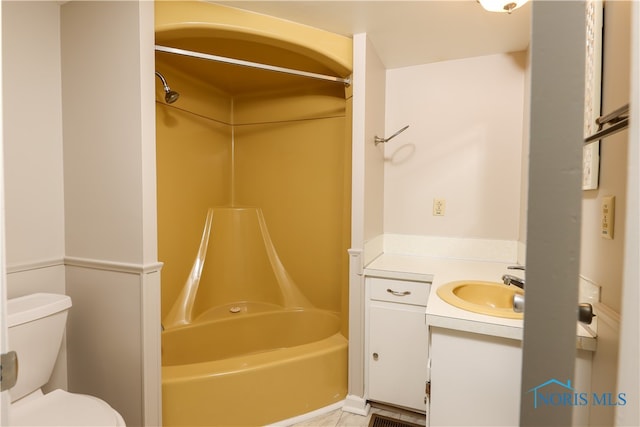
608	216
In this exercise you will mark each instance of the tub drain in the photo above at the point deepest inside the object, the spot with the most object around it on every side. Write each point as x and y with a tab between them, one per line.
235	309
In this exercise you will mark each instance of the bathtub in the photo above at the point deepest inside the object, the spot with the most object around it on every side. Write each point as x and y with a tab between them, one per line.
252	365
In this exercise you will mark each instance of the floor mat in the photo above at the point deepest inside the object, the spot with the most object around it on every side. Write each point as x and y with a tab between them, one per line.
382	421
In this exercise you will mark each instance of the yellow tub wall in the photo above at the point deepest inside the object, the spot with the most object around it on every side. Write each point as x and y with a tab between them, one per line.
237	263
193	161
199	93
297	170
291	163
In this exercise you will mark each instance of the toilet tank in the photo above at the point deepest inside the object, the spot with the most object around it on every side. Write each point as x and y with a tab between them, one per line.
36	326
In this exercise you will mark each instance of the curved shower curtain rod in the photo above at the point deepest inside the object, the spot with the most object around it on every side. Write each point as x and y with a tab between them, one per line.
233	61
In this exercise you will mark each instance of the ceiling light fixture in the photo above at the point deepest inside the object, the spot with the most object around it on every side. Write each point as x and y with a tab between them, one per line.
501	5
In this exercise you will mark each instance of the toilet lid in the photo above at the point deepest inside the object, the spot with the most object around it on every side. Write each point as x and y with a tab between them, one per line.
60	408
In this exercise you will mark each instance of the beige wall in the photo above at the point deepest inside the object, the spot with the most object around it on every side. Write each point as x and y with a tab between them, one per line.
33	133
464	145
110	205
602	259
629	351
102	155
80	188
34	199
374	125
368	102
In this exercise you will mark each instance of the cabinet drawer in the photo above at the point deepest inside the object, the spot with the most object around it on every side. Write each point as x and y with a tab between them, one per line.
399	291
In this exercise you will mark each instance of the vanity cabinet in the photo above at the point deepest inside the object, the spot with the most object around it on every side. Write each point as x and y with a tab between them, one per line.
475	380
396	343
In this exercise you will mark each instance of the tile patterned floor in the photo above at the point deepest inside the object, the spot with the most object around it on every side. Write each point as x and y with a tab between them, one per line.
339	418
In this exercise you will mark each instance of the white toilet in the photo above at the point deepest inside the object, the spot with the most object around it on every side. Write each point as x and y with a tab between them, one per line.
36	325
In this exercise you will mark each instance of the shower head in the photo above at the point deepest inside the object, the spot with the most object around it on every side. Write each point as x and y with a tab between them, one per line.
170	96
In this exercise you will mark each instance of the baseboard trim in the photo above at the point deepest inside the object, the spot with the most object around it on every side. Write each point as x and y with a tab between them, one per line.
308	416
356	405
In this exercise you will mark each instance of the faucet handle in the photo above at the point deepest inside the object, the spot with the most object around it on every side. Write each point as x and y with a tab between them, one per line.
518	303
516	267
585	313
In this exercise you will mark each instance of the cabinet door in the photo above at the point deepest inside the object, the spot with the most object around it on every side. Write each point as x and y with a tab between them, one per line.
475	379
397	354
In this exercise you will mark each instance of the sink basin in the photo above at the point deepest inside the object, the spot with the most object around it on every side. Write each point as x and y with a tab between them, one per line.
490	298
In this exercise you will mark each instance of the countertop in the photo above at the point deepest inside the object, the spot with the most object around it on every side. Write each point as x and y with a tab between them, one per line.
439	271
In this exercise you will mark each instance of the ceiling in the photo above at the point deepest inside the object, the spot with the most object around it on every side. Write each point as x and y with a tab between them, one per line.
407	33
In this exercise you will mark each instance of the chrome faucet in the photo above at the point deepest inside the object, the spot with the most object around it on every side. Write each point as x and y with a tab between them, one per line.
509	279
585	310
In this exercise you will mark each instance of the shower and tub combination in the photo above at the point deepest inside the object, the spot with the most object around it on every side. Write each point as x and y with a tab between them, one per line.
253	215
241	344
247	348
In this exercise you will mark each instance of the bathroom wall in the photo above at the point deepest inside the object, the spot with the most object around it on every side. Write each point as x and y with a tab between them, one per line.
374	98
629	352
80	193
33	146
464	145
602	259
112	273
34	199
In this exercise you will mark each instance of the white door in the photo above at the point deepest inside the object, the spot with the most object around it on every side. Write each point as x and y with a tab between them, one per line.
4	405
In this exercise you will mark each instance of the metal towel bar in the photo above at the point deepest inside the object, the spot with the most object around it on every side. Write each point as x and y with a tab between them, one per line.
617	120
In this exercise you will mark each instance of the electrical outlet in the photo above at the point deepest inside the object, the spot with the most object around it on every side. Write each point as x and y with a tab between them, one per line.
608	215
438	207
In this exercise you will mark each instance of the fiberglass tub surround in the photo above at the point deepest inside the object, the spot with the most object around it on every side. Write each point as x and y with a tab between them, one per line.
254	183
243	273
241	332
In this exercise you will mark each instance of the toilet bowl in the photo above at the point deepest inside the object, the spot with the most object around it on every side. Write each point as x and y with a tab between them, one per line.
36	326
